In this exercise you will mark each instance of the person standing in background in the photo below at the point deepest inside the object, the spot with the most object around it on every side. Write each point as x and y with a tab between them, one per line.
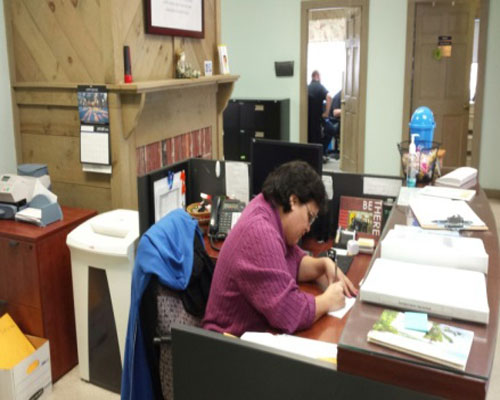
332	127
317	94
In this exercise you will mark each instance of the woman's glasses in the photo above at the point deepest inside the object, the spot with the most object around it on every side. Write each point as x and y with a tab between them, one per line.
312	216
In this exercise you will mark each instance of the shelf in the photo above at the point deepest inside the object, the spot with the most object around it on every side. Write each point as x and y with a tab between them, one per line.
132	95
171	84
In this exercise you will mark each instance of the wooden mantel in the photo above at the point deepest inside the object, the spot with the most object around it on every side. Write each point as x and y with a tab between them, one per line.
133	95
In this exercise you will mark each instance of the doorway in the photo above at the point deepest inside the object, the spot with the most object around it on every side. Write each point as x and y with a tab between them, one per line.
339	27
445	79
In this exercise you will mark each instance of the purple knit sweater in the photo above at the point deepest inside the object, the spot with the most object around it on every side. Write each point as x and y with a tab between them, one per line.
254	287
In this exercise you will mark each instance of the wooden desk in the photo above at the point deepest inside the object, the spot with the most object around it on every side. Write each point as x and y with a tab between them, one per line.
35	283
358	357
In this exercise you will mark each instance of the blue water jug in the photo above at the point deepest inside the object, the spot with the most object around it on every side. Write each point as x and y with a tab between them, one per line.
422	123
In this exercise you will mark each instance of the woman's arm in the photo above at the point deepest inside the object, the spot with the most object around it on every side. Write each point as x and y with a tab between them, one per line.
325	271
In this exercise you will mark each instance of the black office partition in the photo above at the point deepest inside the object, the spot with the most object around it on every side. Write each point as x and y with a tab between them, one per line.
202	176
350	184
208	365
145	192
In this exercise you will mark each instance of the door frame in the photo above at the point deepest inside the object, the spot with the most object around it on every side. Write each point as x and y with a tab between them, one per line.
306	6
478	105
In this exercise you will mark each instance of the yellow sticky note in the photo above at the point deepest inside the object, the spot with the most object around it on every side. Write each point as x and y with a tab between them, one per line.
14	346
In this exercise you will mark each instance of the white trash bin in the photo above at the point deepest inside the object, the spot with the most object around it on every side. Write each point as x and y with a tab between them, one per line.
102	258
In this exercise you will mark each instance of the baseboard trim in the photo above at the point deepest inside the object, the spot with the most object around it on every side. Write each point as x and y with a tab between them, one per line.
492	193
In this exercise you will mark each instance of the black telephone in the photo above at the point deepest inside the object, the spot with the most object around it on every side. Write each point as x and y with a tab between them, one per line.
221	216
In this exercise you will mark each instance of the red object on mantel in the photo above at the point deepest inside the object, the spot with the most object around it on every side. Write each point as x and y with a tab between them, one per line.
127	65
36	283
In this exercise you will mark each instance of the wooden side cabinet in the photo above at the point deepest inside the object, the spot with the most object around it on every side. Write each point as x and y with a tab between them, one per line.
35	283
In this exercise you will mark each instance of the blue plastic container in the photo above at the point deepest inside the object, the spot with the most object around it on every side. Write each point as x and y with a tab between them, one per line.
422	123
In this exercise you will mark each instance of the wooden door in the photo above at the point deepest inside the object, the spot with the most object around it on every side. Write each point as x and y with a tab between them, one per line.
350	143
443	84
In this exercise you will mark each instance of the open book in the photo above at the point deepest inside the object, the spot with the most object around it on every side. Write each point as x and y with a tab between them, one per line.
442	344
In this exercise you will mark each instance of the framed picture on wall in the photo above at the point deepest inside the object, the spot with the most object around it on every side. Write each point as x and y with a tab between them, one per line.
175	17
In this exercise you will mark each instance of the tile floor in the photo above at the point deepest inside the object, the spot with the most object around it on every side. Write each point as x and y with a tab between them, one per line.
71	387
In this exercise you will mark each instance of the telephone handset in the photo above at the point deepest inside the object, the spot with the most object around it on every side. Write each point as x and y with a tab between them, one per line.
222	214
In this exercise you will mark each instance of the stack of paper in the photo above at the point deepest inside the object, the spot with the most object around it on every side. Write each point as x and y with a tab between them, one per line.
432	213
461	177
294	344
440	250
448	193
447	292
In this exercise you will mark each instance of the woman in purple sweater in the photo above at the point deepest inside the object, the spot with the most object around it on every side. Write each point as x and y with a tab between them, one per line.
255	284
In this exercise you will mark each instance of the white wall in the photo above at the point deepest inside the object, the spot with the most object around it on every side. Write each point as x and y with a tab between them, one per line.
385	85
259	32
489	168
7	146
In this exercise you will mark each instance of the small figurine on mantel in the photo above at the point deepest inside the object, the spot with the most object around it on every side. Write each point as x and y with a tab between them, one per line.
183	69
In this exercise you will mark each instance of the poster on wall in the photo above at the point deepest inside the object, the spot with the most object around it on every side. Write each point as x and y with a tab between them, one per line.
95	151
175	17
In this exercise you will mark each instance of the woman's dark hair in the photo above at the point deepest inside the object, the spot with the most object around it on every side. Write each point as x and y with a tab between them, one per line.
298	178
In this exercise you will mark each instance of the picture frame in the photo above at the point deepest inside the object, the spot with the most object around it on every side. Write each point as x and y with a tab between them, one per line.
223	59
208	68
170	17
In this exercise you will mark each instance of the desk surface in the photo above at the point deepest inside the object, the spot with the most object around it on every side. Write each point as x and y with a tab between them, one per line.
357	356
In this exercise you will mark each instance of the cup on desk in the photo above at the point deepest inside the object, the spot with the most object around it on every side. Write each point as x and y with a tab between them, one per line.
352	247
203	217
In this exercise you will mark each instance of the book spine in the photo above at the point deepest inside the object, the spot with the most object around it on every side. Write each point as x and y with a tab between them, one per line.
426	307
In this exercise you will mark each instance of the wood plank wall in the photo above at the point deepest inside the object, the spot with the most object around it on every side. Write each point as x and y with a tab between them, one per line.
81	42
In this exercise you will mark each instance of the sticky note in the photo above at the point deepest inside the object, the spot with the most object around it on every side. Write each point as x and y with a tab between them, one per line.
416	321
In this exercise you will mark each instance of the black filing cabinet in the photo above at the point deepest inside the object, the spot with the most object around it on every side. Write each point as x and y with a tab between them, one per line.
245	119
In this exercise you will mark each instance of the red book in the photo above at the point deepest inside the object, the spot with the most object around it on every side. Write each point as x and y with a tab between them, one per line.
361	214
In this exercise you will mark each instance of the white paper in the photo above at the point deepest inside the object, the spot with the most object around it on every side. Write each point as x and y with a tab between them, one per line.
177	14
94	146
168	198
293	344
98	168
237	180
349	302
328	183
406	194
429	210
381	186
448	193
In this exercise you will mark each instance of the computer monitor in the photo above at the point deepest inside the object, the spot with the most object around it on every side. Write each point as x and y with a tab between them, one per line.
266	155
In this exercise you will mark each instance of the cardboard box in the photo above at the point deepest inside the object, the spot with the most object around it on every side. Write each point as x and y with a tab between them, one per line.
31	379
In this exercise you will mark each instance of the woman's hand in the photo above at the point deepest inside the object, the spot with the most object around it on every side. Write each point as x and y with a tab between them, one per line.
334	274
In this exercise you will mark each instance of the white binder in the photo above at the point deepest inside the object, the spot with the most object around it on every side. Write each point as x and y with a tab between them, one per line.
439	250
446	292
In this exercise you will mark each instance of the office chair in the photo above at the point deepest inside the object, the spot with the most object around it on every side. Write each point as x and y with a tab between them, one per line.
171	275
170	310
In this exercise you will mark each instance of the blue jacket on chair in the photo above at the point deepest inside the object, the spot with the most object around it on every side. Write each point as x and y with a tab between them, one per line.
165	250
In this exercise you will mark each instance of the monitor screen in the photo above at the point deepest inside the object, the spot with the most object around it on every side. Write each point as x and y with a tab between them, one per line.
267	155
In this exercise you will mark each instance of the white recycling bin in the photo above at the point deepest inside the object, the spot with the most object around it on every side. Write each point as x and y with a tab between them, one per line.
102	259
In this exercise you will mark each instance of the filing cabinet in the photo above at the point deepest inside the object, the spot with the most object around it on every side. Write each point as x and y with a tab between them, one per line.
36	286
245	119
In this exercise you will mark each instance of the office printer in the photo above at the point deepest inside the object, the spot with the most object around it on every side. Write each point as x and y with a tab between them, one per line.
16	192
